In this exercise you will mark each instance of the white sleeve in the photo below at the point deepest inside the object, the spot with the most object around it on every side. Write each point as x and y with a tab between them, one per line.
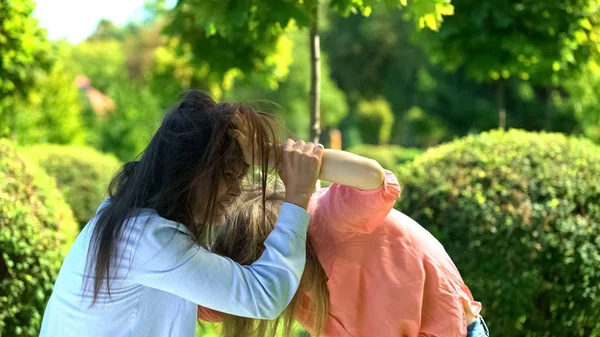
166	258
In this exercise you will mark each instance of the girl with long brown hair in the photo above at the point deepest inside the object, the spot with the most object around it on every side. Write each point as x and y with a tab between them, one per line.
140	267
371	271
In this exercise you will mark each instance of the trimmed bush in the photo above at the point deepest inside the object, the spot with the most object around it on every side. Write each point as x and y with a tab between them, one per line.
36	229
387	155
82	174
519	213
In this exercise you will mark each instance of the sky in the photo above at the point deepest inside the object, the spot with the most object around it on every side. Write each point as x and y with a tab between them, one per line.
76	19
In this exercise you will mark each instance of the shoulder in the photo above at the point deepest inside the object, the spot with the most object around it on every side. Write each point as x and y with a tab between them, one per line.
147	230
144	218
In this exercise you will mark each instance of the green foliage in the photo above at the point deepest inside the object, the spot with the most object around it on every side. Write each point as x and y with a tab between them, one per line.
421	129
139	48
82	175
107	30
247	34
292	92
103	61
518	212
426	13
136	68
156	10
23	49
373	57
204	329
127	131
244	35
173	72
539	40
52	111
584	102
389	156
36	229
375	121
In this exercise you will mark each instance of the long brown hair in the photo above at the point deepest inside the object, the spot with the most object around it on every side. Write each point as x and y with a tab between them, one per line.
178	174
242	239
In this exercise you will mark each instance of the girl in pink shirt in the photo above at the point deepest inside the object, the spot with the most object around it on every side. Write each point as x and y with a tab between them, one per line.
371	271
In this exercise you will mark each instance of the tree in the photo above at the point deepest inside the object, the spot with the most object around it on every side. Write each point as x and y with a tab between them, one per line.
155	11
372	57
107	30
294	89
51	112
584	100
231	36
246	35
537	40
23	49
376	56
121	66
103	61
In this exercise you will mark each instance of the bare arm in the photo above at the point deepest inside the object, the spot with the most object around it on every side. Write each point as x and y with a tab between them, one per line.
349	169
337	166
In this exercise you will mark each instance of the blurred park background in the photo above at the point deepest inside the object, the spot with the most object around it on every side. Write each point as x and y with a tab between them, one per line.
488	112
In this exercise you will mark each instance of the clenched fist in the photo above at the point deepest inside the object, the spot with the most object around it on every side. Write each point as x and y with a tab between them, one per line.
300	167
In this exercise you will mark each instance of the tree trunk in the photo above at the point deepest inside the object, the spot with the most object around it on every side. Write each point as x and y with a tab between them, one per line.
315	79
500	104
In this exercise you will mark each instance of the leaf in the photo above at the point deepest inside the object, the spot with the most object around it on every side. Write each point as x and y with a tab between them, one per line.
594	67
555	66
585	23
367	11
494	75
581	37
301	15
445	9
210	30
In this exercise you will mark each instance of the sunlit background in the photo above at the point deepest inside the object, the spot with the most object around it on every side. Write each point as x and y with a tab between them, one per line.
487	111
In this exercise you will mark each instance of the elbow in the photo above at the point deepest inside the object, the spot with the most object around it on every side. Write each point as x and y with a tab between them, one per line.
377	175
275	303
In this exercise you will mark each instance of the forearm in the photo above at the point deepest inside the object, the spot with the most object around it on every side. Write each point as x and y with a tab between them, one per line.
348	169
261	290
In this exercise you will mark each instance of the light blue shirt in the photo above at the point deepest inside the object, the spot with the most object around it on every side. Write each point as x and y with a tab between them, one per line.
161	276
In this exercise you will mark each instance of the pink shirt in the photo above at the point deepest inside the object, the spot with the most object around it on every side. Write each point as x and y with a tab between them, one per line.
388	276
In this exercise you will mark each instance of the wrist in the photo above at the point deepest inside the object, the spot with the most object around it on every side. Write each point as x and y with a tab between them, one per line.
300	199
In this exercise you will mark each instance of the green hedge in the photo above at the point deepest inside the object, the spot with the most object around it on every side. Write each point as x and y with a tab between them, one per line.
519	213
36	229
82	174
387	155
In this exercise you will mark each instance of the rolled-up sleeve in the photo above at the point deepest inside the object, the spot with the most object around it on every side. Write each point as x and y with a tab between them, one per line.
349	209
167	259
